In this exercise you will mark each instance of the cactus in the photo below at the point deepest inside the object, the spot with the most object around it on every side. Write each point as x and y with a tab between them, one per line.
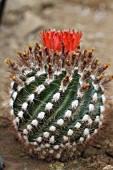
57	95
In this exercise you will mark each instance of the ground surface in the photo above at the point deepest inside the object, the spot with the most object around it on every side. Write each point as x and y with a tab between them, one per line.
21	23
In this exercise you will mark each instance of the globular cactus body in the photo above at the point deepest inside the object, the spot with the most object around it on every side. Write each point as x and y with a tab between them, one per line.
57	95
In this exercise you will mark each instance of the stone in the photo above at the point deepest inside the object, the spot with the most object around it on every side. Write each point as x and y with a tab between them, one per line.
30	23
108	167
14	5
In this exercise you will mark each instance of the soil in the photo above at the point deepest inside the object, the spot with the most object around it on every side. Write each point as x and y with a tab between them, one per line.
22	22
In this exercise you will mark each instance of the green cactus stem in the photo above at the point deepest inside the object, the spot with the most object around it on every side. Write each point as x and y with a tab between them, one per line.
57	95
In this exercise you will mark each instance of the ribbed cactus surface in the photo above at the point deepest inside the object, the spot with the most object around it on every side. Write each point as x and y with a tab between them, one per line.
57	95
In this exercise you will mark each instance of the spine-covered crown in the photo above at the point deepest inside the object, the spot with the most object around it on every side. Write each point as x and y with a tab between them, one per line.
57	95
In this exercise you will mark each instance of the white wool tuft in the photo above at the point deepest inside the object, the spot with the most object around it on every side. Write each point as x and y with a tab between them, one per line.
19	136
56	147
60	122
86	131
30	79
100	124
81	81
79	94
38	149
39	139
63	88
65	138
48	80
19	88
34	122
29	127
12	84
102	109
88	136
47	145
49	106
91	107
11	102
102	87
74	104
58	155
67	144
68	113
101	116
70	132
95	97
20	114
85	118
26	72
97	119
56	97
95	131
77	125
93	76
40	72
16	121
25	138
75	68
74	143
25	132
24	105
12	112
35	143
57	73
51	151
41	115
14	95
11	92
80	73
31	97
62	145
52	128
52	139
96	86
90	121
40	88
70	78
103	98
46	134
81	139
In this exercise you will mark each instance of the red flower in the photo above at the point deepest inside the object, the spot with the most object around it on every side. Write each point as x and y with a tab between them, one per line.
55	40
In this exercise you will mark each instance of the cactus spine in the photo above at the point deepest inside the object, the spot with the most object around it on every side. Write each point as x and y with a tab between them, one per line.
57	95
